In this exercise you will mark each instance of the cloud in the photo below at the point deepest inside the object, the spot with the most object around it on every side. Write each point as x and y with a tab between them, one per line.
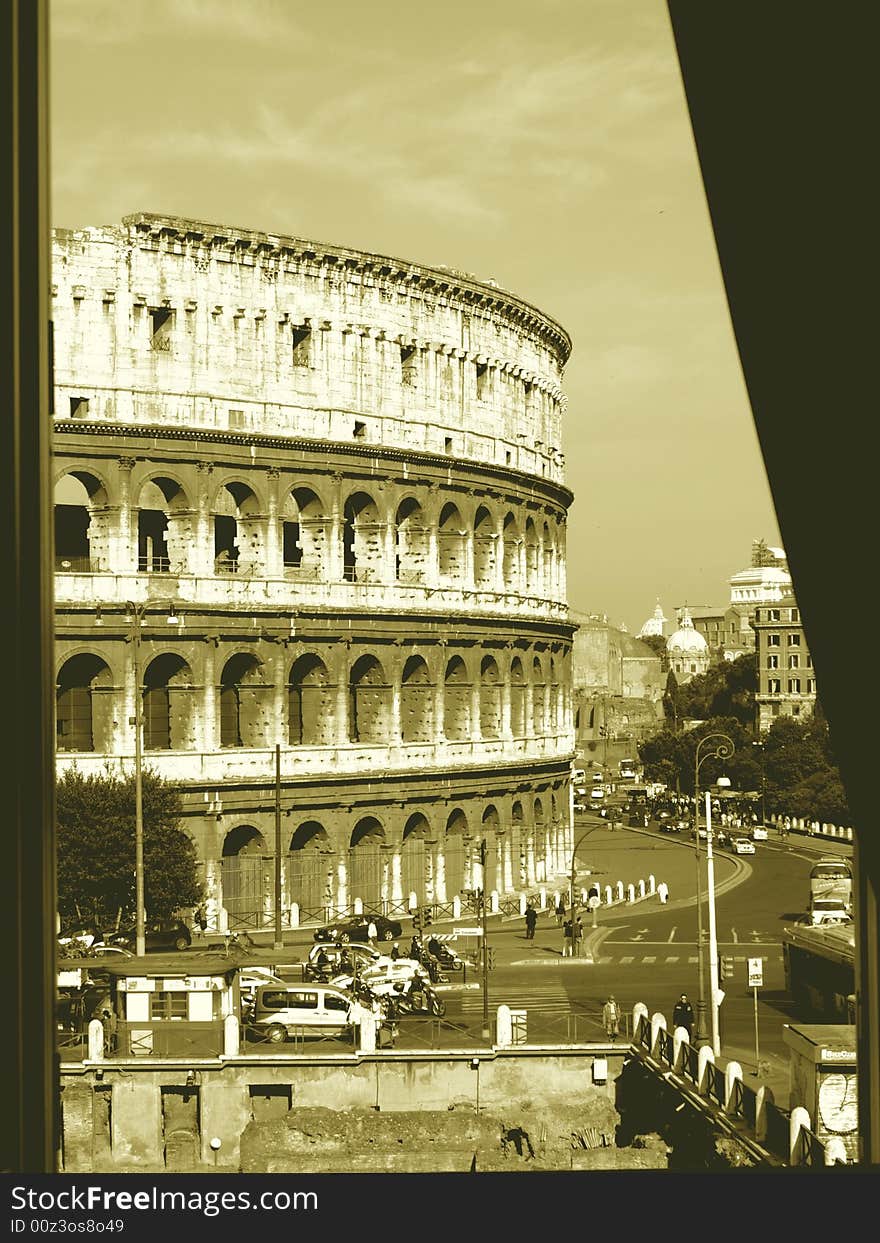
119	22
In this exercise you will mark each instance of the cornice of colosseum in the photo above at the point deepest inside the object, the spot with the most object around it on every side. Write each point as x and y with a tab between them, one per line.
554	492
440	282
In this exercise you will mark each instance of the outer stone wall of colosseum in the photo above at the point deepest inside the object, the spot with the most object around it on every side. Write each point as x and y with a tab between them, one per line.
357	531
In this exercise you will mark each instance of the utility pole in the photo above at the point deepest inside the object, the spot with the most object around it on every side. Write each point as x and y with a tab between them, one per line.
279	941
140	947
714	1000
487	1031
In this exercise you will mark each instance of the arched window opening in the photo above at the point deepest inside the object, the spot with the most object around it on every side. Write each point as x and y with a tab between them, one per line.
413	857
78	495
244	703
168	704
457	833
304	535
517	698
416	702
451	543
247	874
549	562
518	844
365	862
310	870
490	698
310	700
533	566
84	715
484	550
361	540
511	554
411	558
369	717
539	698
490	826
238	531
163	531
457	701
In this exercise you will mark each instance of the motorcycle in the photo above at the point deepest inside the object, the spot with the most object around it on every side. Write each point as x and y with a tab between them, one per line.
418	998
447	960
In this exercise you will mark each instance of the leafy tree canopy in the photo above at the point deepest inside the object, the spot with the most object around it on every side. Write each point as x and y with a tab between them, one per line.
96	849
727	689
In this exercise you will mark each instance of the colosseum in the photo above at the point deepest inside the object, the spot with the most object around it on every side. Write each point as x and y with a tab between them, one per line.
310	506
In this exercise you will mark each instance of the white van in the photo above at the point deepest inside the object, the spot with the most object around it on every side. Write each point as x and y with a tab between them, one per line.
302	1011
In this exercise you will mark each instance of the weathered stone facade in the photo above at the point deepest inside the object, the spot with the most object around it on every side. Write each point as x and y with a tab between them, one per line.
340	474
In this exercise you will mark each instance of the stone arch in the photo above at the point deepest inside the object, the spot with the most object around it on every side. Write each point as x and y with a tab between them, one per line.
310	703
485	552
414	856
510	554
245	703
239	529
247	876
517	698
451	545
305	538
553	695
490	825
548	561
82	523
412	551
362	543
490	698
169	704
365	856
416	701
455	844
518	845
457	701
165	526
310	869
369	716
539	697
84	696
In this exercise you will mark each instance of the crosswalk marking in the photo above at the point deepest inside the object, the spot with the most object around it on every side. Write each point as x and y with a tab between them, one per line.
650	958
629	958
674	959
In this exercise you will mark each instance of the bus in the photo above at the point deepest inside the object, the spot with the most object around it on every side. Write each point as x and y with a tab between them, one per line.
820	972
831	878
627	770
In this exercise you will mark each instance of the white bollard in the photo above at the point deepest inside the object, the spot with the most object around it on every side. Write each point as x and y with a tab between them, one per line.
367	1032
542	896
764	1095
456	907
523	903
493	902
641	888
658	1024
835	1150
231	1036
680	1043
705	1059
608	895
798	1120
640	1011
732	1075
359	906
504	1028
412	901
223	920
96	1040
652	885
630	893
619	891
294	915
663	891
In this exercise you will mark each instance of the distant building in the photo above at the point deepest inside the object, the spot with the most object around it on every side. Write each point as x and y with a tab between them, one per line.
721	627
786	678
687	652
766	581
655	625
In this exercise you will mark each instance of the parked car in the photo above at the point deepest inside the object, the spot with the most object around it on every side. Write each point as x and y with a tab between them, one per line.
829	911
356	928
743	846
159	934
302	1010
597	794
579	808
759	833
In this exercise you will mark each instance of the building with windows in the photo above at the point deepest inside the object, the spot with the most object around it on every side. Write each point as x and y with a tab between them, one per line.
618	685
786	678
337	475
721	627
687	652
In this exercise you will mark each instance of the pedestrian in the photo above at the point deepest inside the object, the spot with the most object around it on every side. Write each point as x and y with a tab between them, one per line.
415	949
683	1015
560	909
200	919
531	921
395	952
577	937
372	932
108	1022
566	939
611	1019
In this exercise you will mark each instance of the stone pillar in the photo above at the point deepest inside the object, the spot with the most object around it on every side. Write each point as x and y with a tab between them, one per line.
396	882
506	731
274	550
341	884
430	875
530	858
432	569
210	740
279	698
201	558
440	697
468	877
529	712
123	543
476	734
342	697
499	555
468	583
507	882
440	872
394	724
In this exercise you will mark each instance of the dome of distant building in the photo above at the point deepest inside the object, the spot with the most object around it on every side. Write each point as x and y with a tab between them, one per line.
687	651
656	624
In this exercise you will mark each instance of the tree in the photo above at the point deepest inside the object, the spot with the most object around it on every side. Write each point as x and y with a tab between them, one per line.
671	700
727	689
657	644
96	849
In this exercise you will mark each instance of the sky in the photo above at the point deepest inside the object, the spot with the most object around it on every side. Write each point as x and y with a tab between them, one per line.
544	144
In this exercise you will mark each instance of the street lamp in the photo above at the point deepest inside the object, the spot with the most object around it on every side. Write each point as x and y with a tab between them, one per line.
760	747
720	747
485	963
135	615
573	911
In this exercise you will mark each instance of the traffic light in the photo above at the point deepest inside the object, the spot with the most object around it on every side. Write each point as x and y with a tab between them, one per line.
725	969
427	917
417	920
490	958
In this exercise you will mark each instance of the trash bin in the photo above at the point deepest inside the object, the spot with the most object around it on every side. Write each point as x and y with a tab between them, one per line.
518	1027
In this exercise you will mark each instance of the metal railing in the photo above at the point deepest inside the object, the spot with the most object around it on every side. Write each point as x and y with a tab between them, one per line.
168	1038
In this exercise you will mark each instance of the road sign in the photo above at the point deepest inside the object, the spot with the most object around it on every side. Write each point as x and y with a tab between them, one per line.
593	902
469	932
756	973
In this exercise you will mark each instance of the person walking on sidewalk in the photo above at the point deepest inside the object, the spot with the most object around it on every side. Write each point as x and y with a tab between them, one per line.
683	1015
560	910
566	939
577	937
531	922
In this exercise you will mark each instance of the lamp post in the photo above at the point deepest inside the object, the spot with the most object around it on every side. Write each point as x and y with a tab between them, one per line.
720	747
573	910
135	615
485	962
760	748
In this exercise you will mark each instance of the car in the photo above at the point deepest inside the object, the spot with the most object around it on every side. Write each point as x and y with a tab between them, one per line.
743	846
159	934
356	928
579	807
362	956
597	794
759	833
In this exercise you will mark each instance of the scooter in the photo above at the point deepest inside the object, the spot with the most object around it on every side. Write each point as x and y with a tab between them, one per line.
419	1000
445	957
